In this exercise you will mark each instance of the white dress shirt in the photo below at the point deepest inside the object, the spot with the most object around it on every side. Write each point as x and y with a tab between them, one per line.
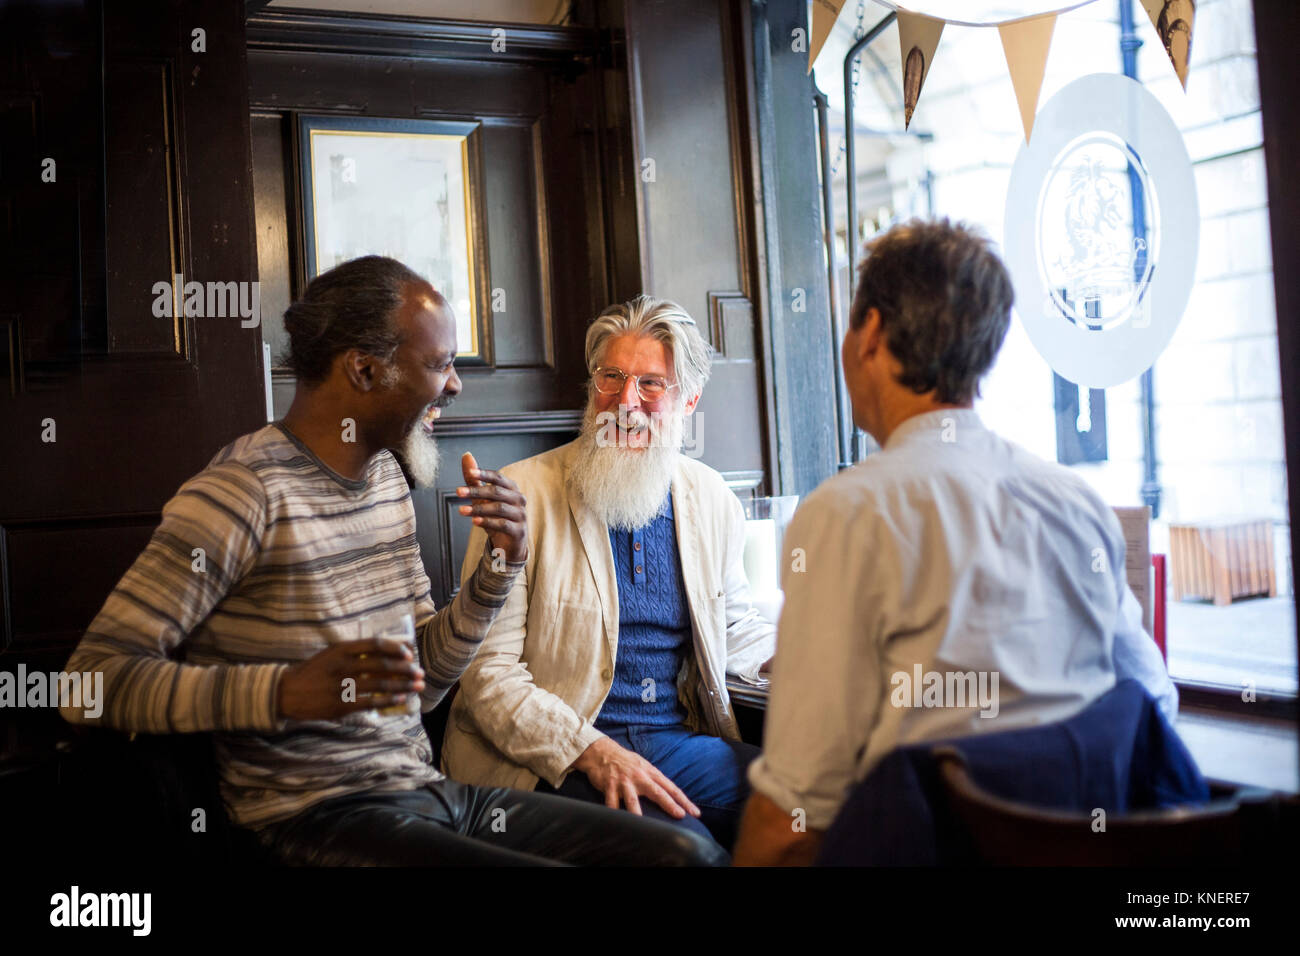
949	552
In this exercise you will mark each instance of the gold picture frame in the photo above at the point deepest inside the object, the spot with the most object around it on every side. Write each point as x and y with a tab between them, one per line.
409	189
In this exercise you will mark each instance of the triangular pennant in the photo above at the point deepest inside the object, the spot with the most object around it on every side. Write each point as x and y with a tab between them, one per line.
1173	20
917	38
1025	43
824	14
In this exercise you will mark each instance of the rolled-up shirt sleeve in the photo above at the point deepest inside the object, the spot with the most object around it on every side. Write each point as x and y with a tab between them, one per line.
826	676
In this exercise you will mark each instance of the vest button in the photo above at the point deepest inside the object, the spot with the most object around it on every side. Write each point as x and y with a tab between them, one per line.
638	569
636	545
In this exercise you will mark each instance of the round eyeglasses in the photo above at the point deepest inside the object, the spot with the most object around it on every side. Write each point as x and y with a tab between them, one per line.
610	381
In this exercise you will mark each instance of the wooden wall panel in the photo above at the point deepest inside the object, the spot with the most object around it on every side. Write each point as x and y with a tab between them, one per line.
690	236
696	212
516	232
107	409
442	530
55	576
51	228
276	261
143	206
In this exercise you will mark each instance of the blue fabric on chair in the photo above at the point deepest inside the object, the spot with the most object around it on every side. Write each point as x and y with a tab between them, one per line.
1119	753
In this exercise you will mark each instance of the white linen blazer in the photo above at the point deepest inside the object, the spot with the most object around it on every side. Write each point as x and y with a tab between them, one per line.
528	700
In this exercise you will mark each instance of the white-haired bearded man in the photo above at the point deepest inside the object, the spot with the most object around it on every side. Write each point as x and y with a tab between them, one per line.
604	676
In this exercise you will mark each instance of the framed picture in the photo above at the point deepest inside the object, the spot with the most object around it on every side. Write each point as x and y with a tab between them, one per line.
409	189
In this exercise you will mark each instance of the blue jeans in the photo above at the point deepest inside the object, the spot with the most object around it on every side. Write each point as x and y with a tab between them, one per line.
709	770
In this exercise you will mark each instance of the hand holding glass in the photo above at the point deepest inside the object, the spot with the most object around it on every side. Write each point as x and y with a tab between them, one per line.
394	628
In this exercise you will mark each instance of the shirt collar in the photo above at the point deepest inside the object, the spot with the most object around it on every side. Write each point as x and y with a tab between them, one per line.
932	426
351	484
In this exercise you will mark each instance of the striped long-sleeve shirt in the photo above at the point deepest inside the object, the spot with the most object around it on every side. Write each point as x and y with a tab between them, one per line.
262	560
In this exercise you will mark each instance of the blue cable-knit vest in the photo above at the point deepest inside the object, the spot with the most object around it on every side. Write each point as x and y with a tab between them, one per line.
654	626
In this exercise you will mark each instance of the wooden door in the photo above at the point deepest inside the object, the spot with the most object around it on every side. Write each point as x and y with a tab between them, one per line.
124	162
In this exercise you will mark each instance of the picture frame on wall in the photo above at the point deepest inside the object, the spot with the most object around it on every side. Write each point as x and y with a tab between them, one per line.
409	189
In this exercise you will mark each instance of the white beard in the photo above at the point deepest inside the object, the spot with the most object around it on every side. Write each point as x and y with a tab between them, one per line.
625	487
420	455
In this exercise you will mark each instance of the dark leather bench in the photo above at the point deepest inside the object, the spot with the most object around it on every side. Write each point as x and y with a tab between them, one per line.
135	797
148	800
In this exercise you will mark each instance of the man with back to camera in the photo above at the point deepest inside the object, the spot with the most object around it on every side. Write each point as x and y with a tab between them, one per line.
950	550
306	533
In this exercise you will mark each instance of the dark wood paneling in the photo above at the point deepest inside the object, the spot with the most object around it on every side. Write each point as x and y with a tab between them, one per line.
143	206
51	246
313	82
691	241
390	37
55	575
617	169
442	531
275	258
554	422
11	355
159	185
695	217
516	235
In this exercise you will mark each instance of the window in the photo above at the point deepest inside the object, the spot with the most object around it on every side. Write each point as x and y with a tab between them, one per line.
1218	488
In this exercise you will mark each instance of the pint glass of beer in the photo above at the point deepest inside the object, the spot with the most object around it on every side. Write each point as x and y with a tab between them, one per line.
396	627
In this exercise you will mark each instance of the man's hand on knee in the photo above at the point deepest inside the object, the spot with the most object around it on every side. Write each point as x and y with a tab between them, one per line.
624	777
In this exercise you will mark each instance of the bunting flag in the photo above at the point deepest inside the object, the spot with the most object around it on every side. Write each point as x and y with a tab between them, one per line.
824	14
1173	20
918	37
1025	43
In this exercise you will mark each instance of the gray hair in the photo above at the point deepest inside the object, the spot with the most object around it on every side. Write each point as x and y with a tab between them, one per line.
659	319
944	299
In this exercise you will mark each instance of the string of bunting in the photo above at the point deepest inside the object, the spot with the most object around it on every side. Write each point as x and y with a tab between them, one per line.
1025	42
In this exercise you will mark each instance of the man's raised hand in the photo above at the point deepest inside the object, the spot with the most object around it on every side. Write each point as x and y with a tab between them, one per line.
383	670
497	507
